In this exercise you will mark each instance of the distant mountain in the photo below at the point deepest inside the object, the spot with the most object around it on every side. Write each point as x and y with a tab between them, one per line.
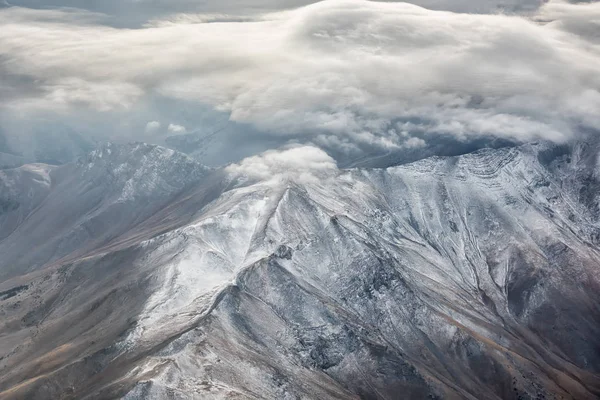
136	272
53	145
65	210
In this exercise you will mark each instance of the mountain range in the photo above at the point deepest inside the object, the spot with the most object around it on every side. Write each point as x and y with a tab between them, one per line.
136	272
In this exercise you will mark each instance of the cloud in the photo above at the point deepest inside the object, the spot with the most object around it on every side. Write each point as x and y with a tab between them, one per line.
350	75
481	6
174	128
300	164
581	19
135	12
152	126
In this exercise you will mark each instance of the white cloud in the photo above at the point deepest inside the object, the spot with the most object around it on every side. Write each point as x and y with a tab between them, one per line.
174	128
152	126
300	163
582	19
345	71
480	6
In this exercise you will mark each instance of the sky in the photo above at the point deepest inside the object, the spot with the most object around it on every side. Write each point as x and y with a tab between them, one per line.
368	83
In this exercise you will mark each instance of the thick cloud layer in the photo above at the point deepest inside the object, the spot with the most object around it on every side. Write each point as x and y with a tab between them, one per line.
354	77
132	12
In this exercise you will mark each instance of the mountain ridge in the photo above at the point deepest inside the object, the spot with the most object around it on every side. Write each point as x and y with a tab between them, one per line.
422	278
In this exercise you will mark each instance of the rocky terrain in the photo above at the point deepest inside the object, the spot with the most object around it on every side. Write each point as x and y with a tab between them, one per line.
138	273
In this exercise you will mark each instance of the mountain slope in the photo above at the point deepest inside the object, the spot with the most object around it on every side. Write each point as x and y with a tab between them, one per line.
466	277
88	204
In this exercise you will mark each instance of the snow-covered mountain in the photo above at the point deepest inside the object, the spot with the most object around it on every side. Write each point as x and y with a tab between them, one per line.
138	273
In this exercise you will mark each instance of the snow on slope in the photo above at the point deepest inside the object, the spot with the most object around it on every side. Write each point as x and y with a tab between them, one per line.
464	277
448	266
82	206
